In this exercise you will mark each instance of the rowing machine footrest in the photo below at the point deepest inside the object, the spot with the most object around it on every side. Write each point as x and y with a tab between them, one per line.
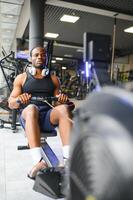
49	182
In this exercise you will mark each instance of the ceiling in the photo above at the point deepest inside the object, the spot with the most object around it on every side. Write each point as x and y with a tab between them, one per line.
96	16
9	17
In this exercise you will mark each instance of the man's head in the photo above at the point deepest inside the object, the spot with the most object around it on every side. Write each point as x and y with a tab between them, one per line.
38	56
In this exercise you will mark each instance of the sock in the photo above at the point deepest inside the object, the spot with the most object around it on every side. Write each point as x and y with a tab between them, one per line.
36	154
65	152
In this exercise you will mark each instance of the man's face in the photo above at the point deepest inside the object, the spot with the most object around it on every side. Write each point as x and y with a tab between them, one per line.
38	57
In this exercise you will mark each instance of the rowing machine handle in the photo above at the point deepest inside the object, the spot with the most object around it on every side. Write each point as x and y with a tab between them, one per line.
44	98
41	99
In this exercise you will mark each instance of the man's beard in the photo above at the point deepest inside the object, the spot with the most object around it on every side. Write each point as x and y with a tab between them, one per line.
39	67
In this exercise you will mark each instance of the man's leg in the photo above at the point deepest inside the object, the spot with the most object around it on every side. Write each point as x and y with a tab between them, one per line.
60	115
31	116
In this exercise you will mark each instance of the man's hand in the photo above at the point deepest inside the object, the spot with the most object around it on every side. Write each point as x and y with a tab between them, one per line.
24	98
62	98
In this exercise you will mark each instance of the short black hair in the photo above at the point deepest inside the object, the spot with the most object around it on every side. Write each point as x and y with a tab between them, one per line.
35	48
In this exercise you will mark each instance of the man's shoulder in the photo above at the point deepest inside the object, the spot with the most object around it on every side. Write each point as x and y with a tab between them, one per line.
21	77
55	79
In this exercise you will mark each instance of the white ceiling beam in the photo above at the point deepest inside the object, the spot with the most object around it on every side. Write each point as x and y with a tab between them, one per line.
88	9
22	23
23	19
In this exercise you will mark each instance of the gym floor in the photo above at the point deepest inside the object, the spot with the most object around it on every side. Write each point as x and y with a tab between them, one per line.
15	164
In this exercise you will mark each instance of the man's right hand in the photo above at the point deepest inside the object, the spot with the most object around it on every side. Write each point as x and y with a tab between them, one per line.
24	98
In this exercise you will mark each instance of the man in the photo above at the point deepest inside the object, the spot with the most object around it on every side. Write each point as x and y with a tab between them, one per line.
38	117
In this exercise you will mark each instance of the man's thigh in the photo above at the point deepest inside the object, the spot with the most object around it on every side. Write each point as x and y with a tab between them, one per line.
45	122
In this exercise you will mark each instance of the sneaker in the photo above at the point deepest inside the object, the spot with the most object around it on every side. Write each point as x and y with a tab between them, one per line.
39	166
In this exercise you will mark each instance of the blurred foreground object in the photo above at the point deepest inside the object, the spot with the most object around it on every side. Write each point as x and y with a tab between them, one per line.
101	154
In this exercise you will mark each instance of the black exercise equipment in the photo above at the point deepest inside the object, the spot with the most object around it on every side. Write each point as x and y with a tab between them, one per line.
101	153
12	118
14	67
4	67
96	47
49	182
75	87
50	157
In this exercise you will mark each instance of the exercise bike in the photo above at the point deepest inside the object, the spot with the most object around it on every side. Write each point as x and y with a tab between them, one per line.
50	180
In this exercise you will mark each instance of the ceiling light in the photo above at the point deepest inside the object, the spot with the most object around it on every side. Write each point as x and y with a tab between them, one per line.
69	18
67	55
59	58
80	50
129	30
64	68
66	45
52	35
53	61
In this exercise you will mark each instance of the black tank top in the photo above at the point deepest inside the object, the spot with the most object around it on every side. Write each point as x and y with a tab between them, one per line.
39	87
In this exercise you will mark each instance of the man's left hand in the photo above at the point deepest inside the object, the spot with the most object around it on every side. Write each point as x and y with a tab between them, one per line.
62	98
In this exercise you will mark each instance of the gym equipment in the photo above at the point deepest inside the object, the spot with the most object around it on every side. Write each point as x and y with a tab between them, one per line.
12	115
50	180
75	87
15	66
2	67
96	57
103	140
50	157
96	47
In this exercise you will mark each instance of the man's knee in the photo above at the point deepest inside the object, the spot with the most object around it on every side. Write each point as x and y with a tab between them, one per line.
62	110
30	112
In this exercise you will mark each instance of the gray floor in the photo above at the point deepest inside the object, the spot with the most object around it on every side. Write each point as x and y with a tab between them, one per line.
15	164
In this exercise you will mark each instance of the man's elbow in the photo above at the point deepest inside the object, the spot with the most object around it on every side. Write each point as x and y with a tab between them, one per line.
11	104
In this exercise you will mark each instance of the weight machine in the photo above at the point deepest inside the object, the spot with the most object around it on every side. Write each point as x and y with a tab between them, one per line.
101	133
14	66
96	57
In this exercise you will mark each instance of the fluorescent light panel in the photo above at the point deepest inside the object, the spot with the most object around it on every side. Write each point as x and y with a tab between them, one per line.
129	30
80	50
67	55
64	68
52	35
69	18
53	61
59	58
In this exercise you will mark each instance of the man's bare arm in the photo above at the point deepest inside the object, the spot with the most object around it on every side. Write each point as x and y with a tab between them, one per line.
17	85
62	98
16	94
